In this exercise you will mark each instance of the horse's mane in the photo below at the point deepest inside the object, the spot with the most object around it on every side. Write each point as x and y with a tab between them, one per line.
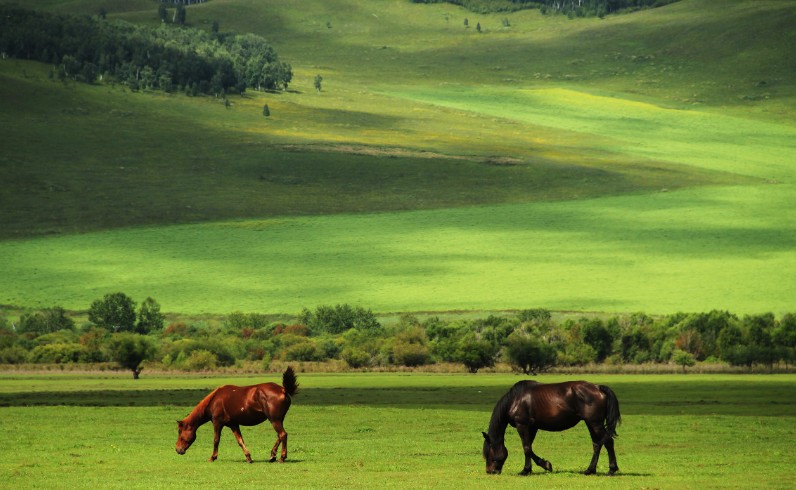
500	414
197	414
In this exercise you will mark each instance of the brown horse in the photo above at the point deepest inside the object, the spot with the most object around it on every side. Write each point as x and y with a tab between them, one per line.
530	406
233	406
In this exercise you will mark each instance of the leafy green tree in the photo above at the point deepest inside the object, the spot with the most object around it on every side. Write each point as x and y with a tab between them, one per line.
339	318
729	338
530	355
599	337
785	333
130	350
149	317
476	354
115	311
45	321
683	358
317	83
266	111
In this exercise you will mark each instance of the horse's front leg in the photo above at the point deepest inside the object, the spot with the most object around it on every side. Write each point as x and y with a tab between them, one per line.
216	439
239	438
528	434
280	439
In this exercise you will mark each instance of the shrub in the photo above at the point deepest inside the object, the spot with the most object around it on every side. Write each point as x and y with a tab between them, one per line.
57	353
576	354
297	329
411	355
303	351
200	360
13	355
355	358
178	330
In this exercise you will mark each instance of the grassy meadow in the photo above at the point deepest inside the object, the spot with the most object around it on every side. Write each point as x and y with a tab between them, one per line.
637	162
392	431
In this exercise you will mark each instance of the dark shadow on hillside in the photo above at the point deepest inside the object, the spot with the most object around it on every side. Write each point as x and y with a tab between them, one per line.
635	398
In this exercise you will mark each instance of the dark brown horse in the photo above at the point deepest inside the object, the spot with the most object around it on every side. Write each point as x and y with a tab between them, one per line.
530	406
233	406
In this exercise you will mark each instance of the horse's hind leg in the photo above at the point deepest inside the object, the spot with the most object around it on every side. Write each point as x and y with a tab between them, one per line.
609	447
239	438
598	437
280	439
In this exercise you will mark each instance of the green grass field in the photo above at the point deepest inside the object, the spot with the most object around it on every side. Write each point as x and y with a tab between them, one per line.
392	431
638	162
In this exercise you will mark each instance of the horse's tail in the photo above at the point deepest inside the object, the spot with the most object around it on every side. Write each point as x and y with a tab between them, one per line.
612	415
289	381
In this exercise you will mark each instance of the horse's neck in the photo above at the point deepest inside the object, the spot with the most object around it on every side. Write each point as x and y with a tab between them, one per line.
197	417
497	426
200	414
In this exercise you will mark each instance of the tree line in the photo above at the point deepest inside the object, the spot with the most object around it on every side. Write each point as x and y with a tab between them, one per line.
579	8
532	341
167	57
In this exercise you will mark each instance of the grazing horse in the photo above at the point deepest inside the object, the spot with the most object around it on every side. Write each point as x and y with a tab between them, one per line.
233	406
530	406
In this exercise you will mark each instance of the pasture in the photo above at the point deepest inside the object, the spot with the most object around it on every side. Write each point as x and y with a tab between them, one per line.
392	431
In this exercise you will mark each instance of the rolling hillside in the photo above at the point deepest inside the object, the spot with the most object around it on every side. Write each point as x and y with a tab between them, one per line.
516	167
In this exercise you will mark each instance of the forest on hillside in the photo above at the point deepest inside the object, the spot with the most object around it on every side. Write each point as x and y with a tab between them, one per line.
574	8
168	57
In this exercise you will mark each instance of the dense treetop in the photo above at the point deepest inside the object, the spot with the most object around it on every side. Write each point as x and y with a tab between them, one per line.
167	57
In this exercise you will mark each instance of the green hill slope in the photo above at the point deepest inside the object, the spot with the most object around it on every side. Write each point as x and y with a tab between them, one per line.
419	113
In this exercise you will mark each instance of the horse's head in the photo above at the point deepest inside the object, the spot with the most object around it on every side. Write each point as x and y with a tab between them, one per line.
495	456
185	436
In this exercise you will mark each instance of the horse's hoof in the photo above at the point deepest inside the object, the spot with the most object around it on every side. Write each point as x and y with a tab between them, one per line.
589	472
525	472
548	466
612	471
273	458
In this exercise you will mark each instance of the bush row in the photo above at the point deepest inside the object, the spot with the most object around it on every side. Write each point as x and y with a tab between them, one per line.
530	340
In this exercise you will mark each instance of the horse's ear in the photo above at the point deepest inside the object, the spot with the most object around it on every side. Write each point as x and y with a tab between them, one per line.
486	436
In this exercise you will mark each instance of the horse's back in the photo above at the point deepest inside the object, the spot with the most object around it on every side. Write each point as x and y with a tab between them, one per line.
248	405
